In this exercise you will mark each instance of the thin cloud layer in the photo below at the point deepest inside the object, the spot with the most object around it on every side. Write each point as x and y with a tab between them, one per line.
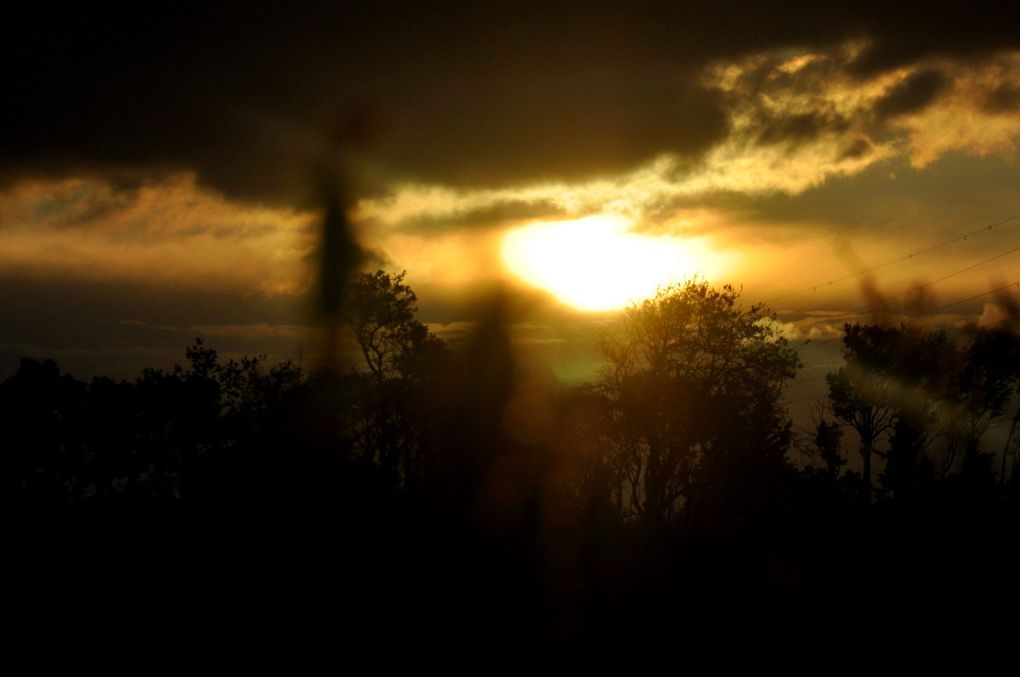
164	231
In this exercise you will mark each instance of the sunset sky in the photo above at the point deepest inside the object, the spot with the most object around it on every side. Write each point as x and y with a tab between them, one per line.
157	177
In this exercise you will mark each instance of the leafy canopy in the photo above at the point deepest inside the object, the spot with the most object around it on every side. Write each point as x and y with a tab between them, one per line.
695	384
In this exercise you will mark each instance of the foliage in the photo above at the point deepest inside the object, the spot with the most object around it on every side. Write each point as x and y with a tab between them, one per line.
695	384
447	484
906	385
381	314
828	441
403	359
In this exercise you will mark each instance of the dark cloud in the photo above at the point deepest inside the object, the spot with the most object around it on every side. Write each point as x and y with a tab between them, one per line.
799	128
462	96
912	95
903	33
857	148
478	94
490	216
554	126
1003	99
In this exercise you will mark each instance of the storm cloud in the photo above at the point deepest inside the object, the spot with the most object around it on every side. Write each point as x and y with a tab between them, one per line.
476	95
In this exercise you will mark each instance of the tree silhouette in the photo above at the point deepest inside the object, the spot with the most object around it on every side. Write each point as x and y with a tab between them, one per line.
380	310
828	443
906	385
695	384
403	360
401	491
985	374
861	393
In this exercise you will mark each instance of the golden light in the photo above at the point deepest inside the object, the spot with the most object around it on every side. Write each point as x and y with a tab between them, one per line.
597	263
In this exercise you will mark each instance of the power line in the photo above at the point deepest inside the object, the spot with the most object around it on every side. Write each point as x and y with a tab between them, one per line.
937	309
976	296
960	238
885	299
906	257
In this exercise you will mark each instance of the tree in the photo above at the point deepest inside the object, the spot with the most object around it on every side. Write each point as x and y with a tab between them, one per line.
380	310
860	394
888	389
828	443
402	358
694	383
905	384
987	373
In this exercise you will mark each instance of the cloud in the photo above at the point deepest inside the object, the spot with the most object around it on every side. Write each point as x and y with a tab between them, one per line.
495	215
161	170
795	120
553	125
905	33
993	315
452	331
912	94
1002	98
474	96
963	120
477	96
164	231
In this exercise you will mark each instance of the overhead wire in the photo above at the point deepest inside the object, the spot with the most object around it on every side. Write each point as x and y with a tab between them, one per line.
964	237
906	257
1014	284
884	299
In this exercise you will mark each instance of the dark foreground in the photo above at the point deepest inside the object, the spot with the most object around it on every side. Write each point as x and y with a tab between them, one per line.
258	531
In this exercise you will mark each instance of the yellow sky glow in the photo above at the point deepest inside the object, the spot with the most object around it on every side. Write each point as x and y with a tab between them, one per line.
597	263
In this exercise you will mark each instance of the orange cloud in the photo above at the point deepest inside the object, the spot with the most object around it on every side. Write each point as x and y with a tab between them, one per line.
169	230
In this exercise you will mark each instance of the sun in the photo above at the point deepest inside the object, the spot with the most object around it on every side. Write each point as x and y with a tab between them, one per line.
597	263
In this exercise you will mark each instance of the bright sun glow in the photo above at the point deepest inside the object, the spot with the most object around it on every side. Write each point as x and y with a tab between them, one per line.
596	264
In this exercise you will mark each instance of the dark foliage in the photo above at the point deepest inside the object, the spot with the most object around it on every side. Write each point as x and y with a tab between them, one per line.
431	497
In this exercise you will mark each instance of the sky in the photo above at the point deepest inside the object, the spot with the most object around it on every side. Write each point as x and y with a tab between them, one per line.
159	173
